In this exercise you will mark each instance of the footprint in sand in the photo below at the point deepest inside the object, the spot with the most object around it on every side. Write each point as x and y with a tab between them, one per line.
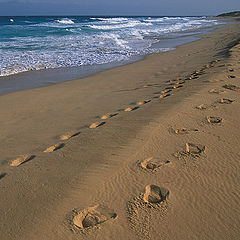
214	120
2	175
155	194
169	88
230	87
185	130
180	82
145	208
194	149
165	95
177	86
166	91
199	72
22	159
152	164
174	80
129	109
93	216
108	115
69	135
97	124
225	101
143	102
54	147
202	107
191	150
217	91
171	81
193	76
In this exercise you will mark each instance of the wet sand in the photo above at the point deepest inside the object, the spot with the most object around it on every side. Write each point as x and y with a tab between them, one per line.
149	150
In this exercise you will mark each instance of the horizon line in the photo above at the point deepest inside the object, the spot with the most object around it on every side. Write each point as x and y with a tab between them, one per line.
102	15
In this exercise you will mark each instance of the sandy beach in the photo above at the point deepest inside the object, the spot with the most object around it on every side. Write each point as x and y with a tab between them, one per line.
149	150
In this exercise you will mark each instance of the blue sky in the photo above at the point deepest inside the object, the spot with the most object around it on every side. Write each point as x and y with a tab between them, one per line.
120	7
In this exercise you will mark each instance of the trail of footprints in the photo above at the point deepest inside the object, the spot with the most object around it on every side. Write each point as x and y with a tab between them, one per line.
172	84
154	197
157	194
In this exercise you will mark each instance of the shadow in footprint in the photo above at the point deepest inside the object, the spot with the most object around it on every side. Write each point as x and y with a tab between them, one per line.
202	107
166	91
180	131
191	150
2	175
194	149
55	147
155	194
164	95
96	125
143	102
214	120
22	159
231	76
69	135
230	87
169	88
225	101
177	86
108	115
130	109
151	164
93	216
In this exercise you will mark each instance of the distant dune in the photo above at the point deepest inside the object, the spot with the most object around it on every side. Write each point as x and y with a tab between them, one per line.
230	14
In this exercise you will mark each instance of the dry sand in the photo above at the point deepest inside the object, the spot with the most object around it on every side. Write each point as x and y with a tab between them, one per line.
84	183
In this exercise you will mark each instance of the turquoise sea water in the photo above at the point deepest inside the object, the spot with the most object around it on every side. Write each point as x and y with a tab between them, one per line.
33	43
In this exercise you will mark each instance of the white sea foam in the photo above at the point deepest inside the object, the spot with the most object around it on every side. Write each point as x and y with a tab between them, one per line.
137	34
112	19
65	21
130	24
154	20
68	42
115	37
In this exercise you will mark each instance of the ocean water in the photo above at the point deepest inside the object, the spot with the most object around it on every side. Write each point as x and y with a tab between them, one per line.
34	43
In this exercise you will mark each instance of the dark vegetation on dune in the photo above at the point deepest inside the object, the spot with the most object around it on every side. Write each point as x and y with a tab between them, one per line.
230	14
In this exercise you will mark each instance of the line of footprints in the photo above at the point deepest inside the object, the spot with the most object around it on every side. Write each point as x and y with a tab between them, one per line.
153	195
172	84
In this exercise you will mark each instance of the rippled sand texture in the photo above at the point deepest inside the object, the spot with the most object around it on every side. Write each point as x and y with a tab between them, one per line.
106	157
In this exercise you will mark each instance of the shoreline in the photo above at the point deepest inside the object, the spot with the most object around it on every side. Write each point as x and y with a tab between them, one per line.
101	166
46	77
